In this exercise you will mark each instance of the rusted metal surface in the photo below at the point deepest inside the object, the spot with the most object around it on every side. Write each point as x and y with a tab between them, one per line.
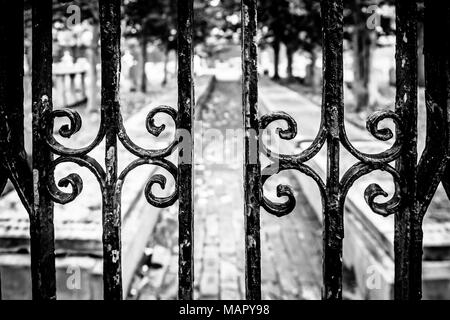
406	108
13	161
333	104
415	184
186	149
446	178
110	50
332	131
111	130
252	166
41	219
434	160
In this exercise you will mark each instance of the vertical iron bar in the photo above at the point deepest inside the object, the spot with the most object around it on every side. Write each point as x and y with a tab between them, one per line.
406	108
186	102
446	177
11	89
333	35
110	55
434	160
11	70
14	163
252	166
41	221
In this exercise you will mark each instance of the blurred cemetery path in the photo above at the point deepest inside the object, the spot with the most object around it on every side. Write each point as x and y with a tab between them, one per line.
290	66
78	225
291	247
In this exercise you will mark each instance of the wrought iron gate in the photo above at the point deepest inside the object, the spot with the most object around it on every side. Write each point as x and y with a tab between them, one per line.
415	182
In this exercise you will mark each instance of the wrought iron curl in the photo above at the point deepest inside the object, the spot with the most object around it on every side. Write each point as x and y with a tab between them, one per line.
283	209
161	180
73	180
288	134
382	134
374	190
151	157
368	163
153	129
285	134
280	162
79	156
68	155
68	130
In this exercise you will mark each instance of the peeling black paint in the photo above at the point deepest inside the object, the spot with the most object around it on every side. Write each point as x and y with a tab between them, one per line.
406	108
332	131
185	120
41	220
13	159
252	166
110	55
415	185
333	102
433	163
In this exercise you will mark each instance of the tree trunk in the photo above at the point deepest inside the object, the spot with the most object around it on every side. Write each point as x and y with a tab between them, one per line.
363	43
276	59
176	62
290	61
143	63
28	59
93	56
421	57
166	62
311	74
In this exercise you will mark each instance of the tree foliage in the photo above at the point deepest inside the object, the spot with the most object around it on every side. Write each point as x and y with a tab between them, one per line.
154	20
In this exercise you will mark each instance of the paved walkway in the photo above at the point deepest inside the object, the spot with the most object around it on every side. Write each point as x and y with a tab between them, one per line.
78	225
291	246
368	241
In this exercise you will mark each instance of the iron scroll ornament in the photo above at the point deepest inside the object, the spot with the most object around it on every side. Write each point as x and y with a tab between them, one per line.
80	157
366	163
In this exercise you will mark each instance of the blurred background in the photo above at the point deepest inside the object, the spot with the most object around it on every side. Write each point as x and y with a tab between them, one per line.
290	67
